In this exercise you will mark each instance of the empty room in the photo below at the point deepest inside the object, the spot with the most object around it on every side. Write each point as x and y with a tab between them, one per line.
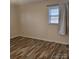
39	29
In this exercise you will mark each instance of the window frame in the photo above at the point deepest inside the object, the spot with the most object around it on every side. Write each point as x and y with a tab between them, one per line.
49	16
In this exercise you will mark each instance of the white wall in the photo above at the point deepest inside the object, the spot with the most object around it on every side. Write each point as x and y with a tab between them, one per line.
14	21
32	21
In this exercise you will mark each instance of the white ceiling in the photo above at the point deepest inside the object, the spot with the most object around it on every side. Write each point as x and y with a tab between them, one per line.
25	1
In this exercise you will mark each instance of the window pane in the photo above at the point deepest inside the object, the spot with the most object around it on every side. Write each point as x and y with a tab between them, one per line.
54	14
54	11
54	19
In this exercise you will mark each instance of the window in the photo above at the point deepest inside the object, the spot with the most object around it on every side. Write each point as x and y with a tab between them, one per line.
53	14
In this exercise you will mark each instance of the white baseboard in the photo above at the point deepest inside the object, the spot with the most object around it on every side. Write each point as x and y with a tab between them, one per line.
14	36
40	39
46	40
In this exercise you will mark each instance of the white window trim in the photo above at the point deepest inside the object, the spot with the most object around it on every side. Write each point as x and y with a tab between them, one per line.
54	6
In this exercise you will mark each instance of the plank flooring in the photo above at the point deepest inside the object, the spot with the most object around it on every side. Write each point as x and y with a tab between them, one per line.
28	48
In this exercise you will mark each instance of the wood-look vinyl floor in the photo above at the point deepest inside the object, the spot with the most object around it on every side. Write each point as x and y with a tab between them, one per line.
28	48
